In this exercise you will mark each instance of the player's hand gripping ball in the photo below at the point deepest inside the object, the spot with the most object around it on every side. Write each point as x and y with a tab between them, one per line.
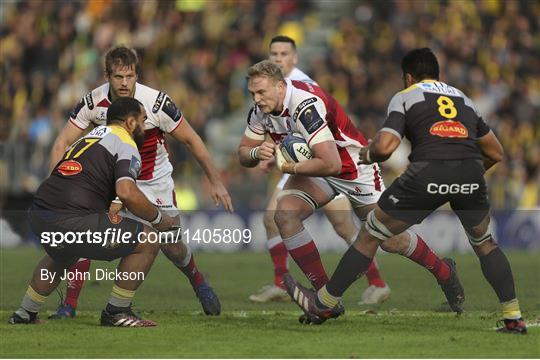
295	149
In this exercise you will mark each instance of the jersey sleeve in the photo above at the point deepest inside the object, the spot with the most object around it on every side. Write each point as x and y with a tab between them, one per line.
395	118
255	128
81	115
482	128
128	163
310	119
168	114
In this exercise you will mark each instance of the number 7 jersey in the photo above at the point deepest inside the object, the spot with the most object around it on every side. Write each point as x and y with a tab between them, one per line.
86	177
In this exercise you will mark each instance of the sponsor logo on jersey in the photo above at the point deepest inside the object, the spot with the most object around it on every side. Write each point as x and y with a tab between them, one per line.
159	101
69	168
311	119
89	101
449	129
99	132
444	189
358	192
76	109
302	105
102	116
134	167
115	218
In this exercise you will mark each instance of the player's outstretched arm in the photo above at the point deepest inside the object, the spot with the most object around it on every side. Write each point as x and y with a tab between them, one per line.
380	148
185	134
137	203
491	149
67	136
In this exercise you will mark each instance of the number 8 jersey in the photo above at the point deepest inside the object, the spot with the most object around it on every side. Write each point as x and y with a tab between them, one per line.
439	120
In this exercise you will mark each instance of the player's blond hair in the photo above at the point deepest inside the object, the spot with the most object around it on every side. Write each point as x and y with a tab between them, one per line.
266	68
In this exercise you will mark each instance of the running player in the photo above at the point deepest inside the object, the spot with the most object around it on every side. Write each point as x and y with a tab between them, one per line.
452	147
155	181
282	51
303	108
75	199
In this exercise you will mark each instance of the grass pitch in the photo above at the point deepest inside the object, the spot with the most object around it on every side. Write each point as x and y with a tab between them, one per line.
412	323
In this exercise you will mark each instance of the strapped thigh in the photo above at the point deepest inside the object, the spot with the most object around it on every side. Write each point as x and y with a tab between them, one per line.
377	228
301	195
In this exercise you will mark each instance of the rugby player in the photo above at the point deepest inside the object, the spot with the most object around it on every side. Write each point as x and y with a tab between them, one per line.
75	198
299	107
452	147
282	51
155	181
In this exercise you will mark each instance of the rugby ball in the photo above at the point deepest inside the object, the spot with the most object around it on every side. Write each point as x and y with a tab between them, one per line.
295	149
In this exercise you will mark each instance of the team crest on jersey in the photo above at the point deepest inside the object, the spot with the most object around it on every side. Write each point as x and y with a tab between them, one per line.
69	168
76	109
89	101
449	129
102	116
159	101
171	110
311	119
135	167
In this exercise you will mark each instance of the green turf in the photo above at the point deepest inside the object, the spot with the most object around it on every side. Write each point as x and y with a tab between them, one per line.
413	323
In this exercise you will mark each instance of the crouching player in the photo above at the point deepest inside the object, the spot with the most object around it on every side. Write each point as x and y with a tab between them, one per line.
75	198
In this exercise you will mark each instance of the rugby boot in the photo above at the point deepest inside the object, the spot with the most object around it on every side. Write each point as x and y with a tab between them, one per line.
64	311
15	319
306	299
512	326
270	293
452	288
124	319
208	299
375	295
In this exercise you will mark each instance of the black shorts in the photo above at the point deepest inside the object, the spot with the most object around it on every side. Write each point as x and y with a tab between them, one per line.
426	185
90	225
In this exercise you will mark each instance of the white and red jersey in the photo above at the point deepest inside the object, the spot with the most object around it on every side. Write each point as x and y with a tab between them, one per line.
163	117
318	117
299	75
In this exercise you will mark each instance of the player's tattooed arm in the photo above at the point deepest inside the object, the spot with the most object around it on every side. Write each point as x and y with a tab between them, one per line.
251	151
380	148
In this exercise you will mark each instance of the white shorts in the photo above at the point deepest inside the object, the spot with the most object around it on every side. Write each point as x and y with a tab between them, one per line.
160	193
281	183
359	193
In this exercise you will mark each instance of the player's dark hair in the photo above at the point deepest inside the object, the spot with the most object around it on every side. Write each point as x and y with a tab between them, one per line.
121	56
421	64
283	38
122	108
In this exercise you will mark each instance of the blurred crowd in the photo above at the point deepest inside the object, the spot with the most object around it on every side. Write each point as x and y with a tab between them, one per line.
198	51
